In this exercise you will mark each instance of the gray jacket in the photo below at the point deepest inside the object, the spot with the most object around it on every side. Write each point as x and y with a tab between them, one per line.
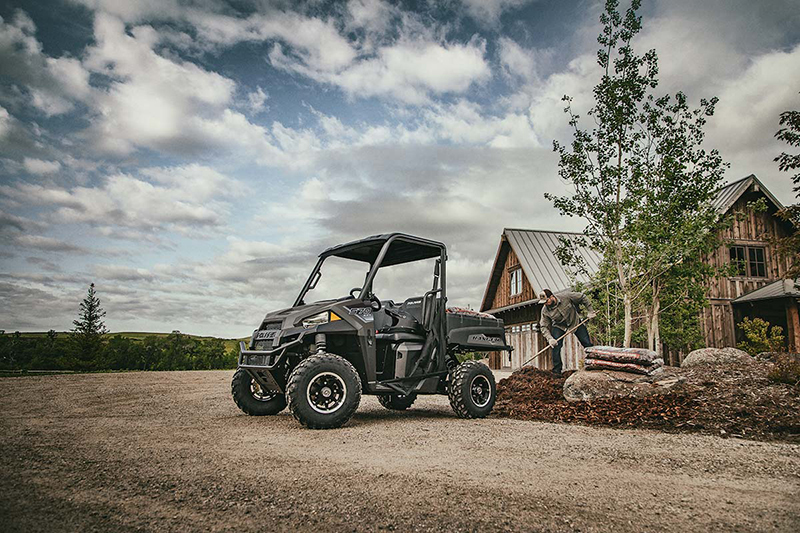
564	313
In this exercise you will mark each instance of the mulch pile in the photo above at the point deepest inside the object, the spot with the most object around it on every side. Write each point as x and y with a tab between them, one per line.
737	401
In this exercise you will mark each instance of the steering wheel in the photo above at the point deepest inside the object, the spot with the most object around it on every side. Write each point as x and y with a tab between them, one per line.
374	302
354	289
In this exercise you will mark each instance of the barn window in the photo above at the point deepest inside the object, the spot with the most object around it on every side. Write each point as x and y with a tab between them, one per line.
516	281
758	266
738	260
749	261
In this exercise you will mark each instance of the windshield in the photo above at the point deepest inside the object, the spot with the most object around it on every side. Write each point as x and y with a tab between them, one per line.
407	280
338	277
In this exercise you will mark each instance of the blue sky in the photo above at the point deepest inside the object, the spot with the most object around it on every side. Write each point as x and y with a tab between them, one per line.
191	158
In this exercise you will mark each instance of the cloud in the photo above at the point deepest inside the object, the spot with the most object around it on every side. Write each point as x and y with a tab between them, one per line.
5	122
409	71
55	84
47	244
256	101
488	11
183	199
37	166
12	223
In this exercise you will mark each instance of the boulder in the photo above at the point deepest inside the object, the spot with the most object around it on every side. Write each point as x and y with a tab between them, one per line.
716	356
586	385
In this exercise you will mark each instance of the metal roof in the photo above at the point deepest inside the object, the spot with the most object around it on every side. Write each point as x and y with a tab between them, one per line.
536	251
729	194
783	288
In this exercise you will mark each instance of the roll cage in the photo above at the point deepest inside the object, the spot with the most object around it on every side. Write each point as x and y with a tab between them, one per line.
381	251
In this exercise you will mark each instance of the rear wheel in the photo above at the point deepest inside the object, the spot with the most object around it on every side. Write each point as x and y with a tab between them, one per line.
252	399
323	391
397	402
472	390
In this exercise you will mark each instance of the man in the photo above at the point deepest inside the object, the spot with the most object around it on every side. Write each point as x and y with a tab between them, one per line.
559	314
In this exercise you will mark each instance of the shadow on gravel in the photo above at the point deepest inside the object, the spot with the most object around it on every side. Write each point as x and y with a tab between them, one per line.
387	417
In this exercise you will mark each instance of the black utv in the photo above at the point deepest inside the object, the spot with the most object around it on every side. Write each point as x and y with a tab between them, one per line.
319	358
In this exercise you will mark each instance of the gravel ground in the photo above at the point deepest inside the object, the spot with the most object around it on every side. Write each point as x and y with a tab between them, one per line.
169	451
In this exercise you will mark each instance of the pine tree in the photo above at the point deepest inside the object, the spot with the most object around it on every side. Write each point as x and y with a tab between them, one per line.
87	335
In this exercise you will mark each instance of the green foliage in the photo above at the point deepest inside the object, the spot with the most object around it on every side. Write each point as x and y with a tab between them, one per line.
790	133
642	183
759	337
786	370
153	352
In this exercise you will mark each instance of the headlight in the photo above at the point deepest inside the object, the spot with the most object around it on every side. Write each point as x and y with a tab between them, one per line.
316	320
320	318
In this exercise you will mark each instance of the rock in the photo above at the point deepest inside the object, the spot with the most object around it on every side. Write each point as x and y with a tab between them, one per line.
586	385
716	356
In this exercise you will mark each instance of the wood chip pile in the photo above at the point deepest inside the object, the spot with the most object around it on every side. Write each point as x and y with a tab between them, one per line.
735	401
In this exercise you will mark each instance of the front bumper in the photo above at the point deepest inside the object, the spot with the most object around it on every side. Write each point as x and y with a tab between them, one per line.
261	363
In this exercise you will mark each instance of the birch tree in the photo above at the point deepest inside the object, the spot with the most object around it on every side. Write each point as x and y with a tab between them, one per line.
640	179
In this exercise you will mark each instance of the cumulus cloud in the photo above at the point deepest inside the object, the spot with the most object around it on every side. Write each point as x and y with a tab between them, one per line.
55	84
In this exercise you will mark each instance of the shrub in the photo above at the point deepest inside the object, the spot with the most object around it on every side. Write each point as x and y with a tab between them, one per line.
759	337
786	370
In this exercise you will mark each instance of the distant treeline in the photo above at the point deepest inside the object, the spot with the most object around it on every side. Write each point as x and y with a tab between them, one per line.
60	351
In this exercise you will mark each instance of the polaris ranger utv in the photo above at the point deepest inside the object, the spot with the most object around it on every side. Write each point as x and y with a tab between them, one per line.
320	357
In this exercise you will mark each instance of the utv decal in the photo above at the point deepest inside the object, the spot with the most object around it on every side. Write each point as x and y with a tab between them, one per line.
481	338
267	334
362	313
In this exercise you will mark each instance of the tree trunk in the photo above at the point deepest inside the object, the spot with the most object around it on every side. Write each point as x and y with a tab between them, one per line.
628	320
627	301
654	325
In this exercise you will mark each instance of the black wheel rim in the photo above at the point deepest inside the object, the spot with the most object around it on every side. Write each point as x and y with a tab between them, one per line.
326	392
481	391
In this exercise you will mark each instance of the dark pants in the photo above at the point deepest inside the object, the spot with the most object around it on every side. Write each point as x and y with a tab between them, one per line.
583	337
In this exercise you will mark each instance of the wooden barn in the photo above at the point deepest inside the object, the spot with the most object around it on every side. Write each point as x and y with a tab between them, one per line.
526	263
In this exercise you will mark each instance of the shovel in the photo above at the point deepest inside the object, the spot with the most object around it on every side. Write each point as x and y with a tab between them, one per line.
570	330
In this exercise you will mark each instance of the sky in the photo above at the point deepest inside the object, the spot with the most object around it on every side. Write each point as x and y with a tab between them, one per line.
191	158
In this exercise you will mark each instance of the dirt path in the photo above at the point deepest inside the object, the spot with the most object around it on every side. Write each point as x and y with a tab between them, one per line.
170	451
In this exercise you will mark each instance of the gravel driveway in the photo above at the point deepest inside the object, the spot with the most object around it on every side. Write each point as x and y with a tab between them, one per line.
169	451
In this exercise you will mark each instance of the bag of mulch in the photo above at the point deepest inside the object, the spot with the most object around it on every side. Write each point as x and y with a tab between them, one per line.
599	364
639	356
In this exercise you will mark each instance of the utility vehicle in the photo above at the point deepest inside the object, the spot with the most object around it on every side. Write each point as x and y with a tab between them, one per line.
320	357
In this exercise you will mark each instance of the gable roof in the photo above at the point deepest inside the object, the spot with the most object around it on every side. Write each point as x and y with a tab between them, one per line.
729	194
535	249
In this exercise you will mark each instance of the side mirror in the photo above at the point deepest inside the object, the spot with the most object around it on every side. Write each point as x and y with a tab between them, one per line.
314	281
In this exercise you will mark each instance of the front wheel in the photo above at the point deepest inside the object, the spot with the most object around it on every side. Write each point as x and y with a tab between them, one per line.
252	399
323	391
472	390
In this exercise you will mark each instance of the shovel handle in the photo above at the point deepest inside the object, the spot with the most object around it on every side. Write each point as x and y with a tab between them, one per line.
573	328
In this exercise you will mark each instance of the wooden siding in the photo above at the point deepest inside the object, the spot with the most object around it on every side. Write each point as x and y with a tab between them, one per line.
527	341
748	228
502	296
